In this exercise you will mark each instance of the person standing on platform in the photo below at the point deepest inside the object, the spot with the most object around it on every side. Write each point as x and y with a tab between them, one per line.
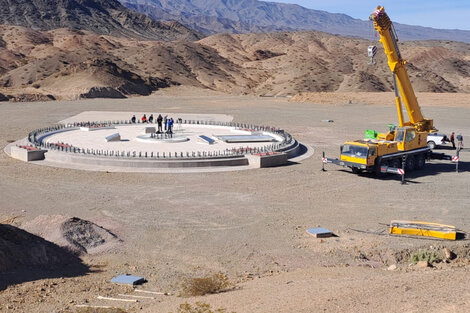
159	123
165	121
144	119
151	118
133	119
170	125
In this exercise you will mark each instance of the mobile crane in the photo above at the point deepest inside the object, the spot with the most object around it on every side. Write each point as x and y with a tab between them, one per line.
406	143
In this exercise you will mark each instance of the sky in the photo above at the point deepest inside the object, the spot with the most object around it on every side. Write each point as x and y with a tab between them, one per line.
450	14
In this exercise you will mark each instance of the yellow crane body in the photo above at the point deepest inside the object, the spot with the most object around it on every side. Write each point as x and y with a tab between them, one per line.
406	146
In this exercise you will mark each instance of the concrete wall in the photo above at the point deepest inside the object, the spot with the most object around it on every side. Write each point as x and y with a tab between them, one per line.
27	155
76	158
268	160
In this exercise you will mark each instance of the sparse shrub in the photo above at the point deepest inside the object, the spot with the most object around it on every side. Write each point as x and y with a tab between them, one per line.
36	86
199	307
200	286
429	256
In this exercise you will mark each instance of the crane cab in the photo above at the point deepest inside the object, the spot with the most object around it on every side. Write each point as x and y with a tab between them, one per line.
362	154
408	138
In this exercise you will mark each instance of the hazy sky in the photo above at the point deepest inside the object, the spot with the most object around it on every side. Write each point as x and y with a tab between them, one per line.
433	13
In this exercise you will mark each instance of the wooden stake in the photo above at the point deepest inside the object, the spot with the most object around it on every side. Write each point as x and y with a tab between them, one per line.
133	296
93	306
116	299
152	292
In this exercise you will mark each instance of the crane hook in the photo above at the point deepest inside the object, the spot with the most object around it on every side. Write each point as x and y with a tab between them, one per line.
371	52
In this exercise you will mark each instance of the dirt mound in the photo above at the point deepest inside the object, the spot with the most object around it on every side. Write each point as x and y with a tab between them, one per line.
28	97
20	249
78	235
102	92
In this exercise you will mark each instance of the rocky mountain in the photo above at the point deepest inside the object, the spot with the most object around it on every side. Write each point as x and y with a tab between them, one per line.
246	16
68	64
108	17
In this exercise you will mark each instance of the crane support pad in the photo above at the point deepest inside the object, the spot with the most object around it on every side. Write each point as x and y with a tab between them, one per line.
392	170
427	229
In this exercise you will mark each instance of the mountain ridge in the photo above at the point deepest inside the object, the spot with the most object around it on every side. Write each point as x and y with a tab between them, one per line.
246	16
106	17
67	64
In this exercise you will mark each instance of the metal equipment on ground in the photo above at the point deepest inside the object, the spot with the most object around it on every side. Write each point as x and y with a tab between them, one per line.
427	229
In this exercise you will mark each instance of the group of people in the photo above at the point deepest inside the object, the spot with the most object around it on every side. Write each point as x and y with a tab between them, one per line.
162	122
459	141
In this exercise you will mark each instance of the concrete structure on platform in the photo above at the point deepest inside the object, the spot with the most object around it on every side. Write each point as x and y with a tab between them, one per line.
27	153
113	137
268	159
150	130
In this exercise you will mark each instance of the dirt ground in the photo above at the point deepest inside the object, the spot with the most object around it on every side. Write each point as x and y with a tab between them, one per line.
249	224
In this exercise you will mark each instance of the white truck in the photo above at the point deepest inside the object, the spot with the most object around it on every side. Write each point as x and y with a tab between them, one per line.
436	139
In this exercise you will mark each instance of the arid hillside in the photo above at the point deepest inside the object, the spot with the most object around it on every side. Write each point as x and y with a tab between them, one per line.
313	61
251	16
106	17
68	64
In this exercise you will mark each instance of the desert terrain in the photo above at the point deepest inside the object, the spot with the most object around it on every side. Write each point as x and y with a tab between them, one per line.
66	64
250	225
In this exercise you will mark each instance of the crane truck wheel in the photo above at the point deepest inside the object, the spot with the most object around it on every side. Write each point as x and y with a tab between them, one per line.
378	166
356	170
395	163
420	161
431	145
410	163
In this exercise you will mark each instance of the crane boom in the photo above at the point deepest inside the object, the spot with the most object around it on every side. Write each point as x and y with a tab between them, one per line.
384	26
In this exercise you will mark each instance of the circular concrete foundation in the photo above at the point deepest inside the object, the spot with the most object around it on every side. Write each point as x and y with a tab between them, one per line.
195	144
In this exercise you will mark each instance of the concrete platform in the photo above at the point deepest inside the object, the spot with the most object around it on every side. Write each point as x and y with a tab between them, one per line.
140	151
133	140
